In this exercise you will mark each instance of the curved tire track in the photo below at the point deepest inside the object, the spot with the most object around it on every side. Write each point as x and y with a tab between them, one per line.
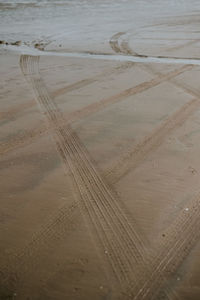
99	207
97	203
135	155
76	155
114	42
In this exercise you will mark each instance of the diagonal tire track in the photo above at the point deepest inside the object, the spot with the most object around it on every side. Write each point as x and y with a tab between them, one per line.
183	233
97	203
62	150
95	107
135	155
64	90
181	236
106	216
78	158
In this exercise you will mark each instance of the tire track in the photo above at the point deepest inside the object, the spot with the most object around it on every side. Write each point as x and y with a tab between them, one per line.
11	113
189	43
126	49
98	206
27	260
56	124
97	203
181	236
114	41
53	116
97	106
135	155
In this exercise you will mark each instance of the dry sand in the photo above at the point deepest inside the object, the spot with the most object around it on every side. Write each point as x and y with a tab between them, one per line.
100	169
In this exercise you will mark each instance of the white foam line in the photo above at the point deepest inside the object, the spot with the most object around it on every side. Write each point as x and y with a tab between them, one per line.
110	57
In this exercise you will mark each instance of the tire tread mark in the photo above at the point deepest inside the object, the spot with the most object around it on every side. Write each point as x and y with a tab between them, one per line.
181	236
97	203
93	108
26	260
64	90
135	155
114	44
148	291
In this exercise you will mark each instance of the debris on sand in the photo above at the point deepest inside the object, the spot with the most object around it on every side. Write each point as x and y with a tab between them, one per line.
39	46
16	43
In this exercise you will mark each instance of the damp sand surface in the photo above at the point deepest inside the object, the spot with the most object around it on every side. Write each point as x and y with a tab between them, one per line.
99	159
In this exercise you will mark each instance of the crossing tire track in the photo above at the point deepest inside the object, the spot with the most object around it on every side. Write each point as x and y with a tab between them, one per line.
77	149
96	202
97	106
93	108
11	113
181	237
135	155
98	205
183	233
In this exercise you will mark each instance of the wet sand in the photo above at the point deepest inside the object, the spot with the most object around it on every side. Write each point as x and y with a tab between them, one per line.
99	167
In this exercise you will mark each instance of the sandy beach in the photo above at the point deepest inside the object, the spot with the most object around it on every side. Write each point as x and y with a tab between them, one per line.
99	150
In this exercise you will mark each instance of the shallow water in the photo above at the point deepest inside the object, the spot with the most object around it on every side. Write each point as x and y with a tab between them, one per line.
86	25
